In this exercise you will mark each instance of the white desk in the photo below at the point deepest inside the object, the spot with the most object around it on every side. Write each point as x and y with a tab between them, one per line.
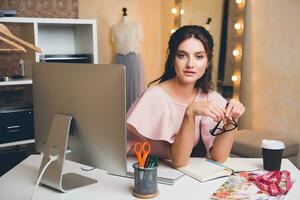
19	182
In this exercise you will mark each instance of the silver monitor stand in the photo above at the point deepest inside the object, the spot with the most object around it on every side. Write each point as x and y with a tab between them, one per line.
57	145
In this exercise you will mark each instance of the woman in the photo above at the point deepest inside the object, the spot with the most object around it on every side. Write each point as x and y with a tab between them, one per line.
178	114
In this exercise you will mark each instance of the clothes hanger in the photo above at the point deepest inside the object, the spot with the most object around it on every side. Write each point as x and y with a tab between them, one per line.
4	30
18	47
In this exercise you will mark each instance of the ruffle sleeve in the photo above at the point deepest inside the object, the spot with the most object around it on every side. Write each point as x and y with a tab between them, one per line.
150	116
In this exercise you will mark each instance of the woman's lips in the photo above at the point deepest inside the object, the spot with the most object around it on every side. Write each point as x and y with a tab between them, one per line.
189	73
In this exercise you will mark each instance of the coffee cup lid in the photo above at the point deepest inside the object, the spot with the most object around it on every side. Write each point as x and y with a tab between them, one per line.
272	144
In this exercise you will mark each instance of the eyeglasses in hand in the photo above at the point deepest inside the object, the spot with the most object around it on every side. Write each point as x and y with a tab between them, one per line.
227	127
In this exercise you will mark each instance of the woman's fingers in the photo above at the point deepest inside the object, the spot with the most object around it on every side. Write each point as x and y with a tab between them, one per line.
242	110
212	115
235	109
222	109
218	110
234	112
229	110
217	114
211	109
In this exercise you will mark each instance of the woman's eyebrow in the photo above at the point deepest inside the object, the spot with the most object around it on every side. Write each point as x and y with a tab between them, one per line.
182	51
200	52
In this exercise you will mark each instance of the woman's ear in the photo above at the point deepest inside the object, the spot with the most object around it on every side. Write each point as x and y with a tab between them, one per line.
206	66
208	63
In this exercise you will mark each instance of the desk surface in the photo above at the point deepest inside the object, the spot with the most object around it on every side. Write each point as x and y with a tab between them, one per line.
19	183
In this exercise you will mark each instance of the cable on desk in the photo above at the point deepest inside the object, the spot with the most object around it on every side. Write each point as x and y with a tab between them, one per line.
53	158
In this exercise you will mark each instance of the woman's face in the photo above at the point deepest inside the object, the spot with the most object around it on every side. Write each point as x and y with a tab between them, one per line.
190	61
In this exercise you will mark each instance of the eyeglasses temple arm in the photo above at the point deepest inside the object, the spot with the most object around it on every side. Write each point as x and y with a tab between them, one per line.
214	129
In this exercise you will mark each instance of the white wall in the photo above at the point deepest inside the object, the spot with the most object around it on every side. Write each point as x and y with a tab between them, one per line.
271	68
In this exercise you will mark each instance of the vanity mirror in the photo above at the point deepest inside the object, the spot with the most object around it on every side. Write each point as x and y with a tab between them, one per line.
225	21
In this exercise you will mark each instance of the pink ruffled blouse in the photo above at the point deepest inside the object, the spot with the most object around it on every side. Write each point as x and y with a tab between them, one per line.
156	116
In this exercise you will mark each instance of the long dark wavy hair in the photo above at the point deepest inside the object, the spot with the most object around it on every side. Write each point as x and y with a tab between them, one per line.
183	33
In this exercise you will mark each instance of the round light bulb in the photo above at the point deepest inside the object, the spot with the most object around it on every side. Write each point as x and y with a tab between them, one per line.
174	11
237	26
181	11
236	52
234	78
173	30
239	1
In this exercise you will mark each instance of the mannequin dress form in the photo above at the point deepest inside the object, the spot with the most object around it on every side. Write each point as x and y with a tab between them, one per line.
127	37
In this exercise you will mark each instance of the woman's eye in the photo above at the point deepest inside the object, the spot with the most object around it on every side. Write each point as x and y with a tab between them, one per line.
181	56
199	57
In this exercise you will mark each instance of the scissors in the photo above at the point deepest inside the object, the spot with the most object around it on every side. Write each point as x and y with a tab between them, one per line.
142	151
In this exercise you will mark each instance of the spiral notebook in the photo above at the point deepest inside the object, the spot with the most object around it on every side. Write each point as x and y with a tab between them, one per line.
203	169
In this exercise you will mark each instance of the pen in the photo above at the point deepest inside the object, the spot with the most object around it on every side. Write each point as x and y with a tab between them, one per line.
148	161
216	163
154	161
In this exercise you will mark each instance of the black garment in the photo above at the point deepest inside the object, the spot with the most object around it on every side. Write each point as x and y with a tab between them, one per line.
199	150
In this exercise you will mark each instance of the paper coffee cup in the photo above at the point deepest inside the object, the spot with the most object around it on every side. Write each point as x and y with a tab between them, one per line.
272	151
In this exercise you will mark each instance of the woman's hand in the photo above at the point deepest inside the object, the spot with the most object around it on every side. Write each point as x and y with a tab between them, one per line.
234	110
212	109
208	108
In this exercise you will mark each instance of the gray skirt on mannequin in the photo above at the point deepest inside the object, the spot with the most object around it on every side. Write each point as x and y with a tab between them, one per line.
134	76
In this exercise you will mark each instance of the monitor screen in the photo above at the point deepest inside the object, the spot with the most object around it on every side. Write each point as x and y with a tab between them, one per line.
94	94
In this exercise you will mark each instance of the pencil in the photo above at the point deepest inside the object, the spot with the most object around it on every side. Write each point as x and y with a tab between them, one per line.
216	163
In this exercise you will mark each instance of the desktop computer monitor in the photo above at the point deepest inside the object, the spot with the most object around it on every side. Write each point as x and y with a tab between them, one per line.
94	95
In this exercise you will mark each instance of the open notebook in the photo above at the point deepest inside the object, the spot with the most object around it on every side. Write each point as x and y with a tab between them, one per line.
203	169
166	174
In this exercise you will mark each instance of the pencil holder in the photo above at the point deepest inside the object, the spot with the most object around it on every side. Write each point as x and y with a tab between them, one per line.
145	182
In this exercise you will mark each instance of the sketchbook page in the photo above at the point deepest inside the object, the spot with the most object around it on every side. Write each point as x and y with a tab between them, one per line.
237	187
243	164
202	170
165	172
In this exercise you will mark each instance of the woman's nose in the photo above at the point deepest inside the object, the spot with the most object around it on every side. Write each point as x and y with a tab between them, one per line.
189	63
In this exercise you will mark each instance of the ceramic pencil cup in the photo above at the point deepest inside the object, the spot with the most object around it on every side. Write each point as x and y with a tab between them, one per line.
145	182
